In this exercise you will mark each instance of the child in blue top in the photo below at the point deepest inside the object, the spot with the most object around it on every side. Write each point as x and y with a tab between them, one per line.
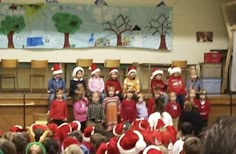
56	82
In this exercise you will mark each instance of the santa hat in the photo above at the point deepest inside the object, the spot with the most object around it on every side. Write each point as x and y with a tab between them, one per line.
38	126
53	127
174	69
144	125
56	69
68	141
63	130
113	70
132	142
156	71
94	69
75	125
76	70
88	132
160	124
16	128
152	149
132	69
118	129
112	146
102	149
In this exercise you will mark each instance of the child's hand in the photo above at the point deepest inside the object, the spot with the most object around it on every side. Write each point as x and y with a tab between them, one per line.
65	119
117	92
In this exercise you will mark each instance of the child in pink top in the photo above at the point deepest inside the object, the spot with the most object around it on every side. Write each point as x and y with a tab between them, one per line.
80	109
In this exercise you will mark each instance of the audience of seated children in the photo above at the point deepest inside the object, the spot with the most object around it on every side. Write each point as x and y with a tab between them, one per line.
128	110
111	107
176	84
95	110
58	109
56	82
80	108
114	81
204	107
173	108
156	81
77	81
96	82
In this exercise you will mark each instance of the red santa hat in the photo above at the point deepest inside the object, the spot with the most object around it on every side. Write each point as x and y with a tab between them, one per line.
144	125
76	70
63	130
68	141
132	142
94	69
56	69
112	146
75	125
16	128
152	149
118	129
156	71
113	70
53	127
132	69
102	149
38	126
160	124
174	69
88	132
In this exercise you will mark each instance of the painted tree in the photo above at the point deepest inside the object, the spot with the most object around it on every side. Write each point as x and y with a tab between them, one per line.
119	25
11	25
68	24
161	25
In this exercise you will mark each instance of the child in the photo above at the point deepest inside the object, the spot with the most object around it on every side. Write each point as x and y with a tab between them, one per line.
56	82
204	107
151	103
128	110
111	106
176	84
95	110
77	82
194	82
58	109
192	97
113	81
96	83
141	107
156	81
173	109
80	109
131	82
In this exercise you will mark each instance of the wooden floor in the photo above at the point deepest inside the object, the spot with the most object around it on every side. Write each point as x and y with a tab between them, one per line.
12	107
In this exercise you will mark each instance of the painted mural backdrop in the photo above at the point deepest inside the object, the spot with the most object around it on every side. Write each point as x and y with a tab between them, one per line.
54	25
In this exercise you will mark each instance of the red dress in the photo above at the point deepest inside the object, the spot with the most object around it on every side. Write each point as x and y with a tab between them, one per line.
151	106
128	111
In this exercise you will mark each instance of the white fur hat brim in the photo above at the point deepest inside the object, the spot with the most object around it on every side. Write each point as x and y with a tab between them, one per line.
95	71
175	70
57	72
145	151
132	71
113	71
114	132
76	70
156	72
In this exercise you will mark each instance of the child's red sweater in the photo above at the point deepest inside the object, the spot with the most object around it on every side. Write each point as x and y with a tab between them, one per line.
204	109
158	83
58	110
151	106
176	84
128	111
173	108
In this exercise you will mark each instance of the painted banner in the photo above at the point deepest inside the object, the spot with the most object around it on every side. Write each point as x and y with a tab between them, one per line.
55	26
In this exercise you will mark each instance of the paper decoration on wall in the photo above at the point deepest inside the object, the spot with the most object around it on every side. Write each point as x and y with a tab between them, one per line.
55	25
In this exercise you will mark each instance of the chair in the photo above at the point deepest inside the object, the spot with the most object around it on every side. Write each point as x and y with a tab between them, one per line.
179	63
9	70
39	69
112	63
84	62
41	118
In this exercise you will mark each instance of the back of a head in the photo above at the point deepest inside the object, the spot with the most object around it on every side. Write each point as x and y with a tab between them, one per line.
51	146
78	135
20	141
7	146
38	133
97	139
192	145
188	106
186	128
73	149
220	138
159	105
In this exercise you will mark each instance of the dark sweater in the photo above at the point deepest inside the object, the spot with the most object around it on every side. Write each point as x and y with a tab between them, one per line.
74	84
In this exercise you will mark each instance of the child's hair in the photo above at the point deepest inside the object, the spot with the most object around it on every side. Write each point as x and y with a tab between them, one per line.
159	105
97	139
203	92
192	145
189	106
73	149
40	148
38	133
59	90
7	147
78	135
51	146
20	141
186	128
99	128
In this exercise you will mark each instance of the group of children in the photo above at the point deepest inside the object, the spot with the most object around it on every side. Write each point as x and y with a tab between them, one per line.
108	102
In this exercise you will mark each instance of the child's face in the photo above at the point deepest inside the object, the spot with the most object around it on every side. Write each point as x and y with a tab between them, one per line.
58	76
132	75
95	98
59	94
192	93
158	77
111	92
140	99
97	74
193	76
202	96
130	95
172	97
114	75
79	74
176	74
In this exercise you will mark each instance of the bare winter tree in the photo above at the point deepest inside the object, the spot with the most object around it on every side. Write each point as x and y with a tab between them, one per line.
119	25
161	25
